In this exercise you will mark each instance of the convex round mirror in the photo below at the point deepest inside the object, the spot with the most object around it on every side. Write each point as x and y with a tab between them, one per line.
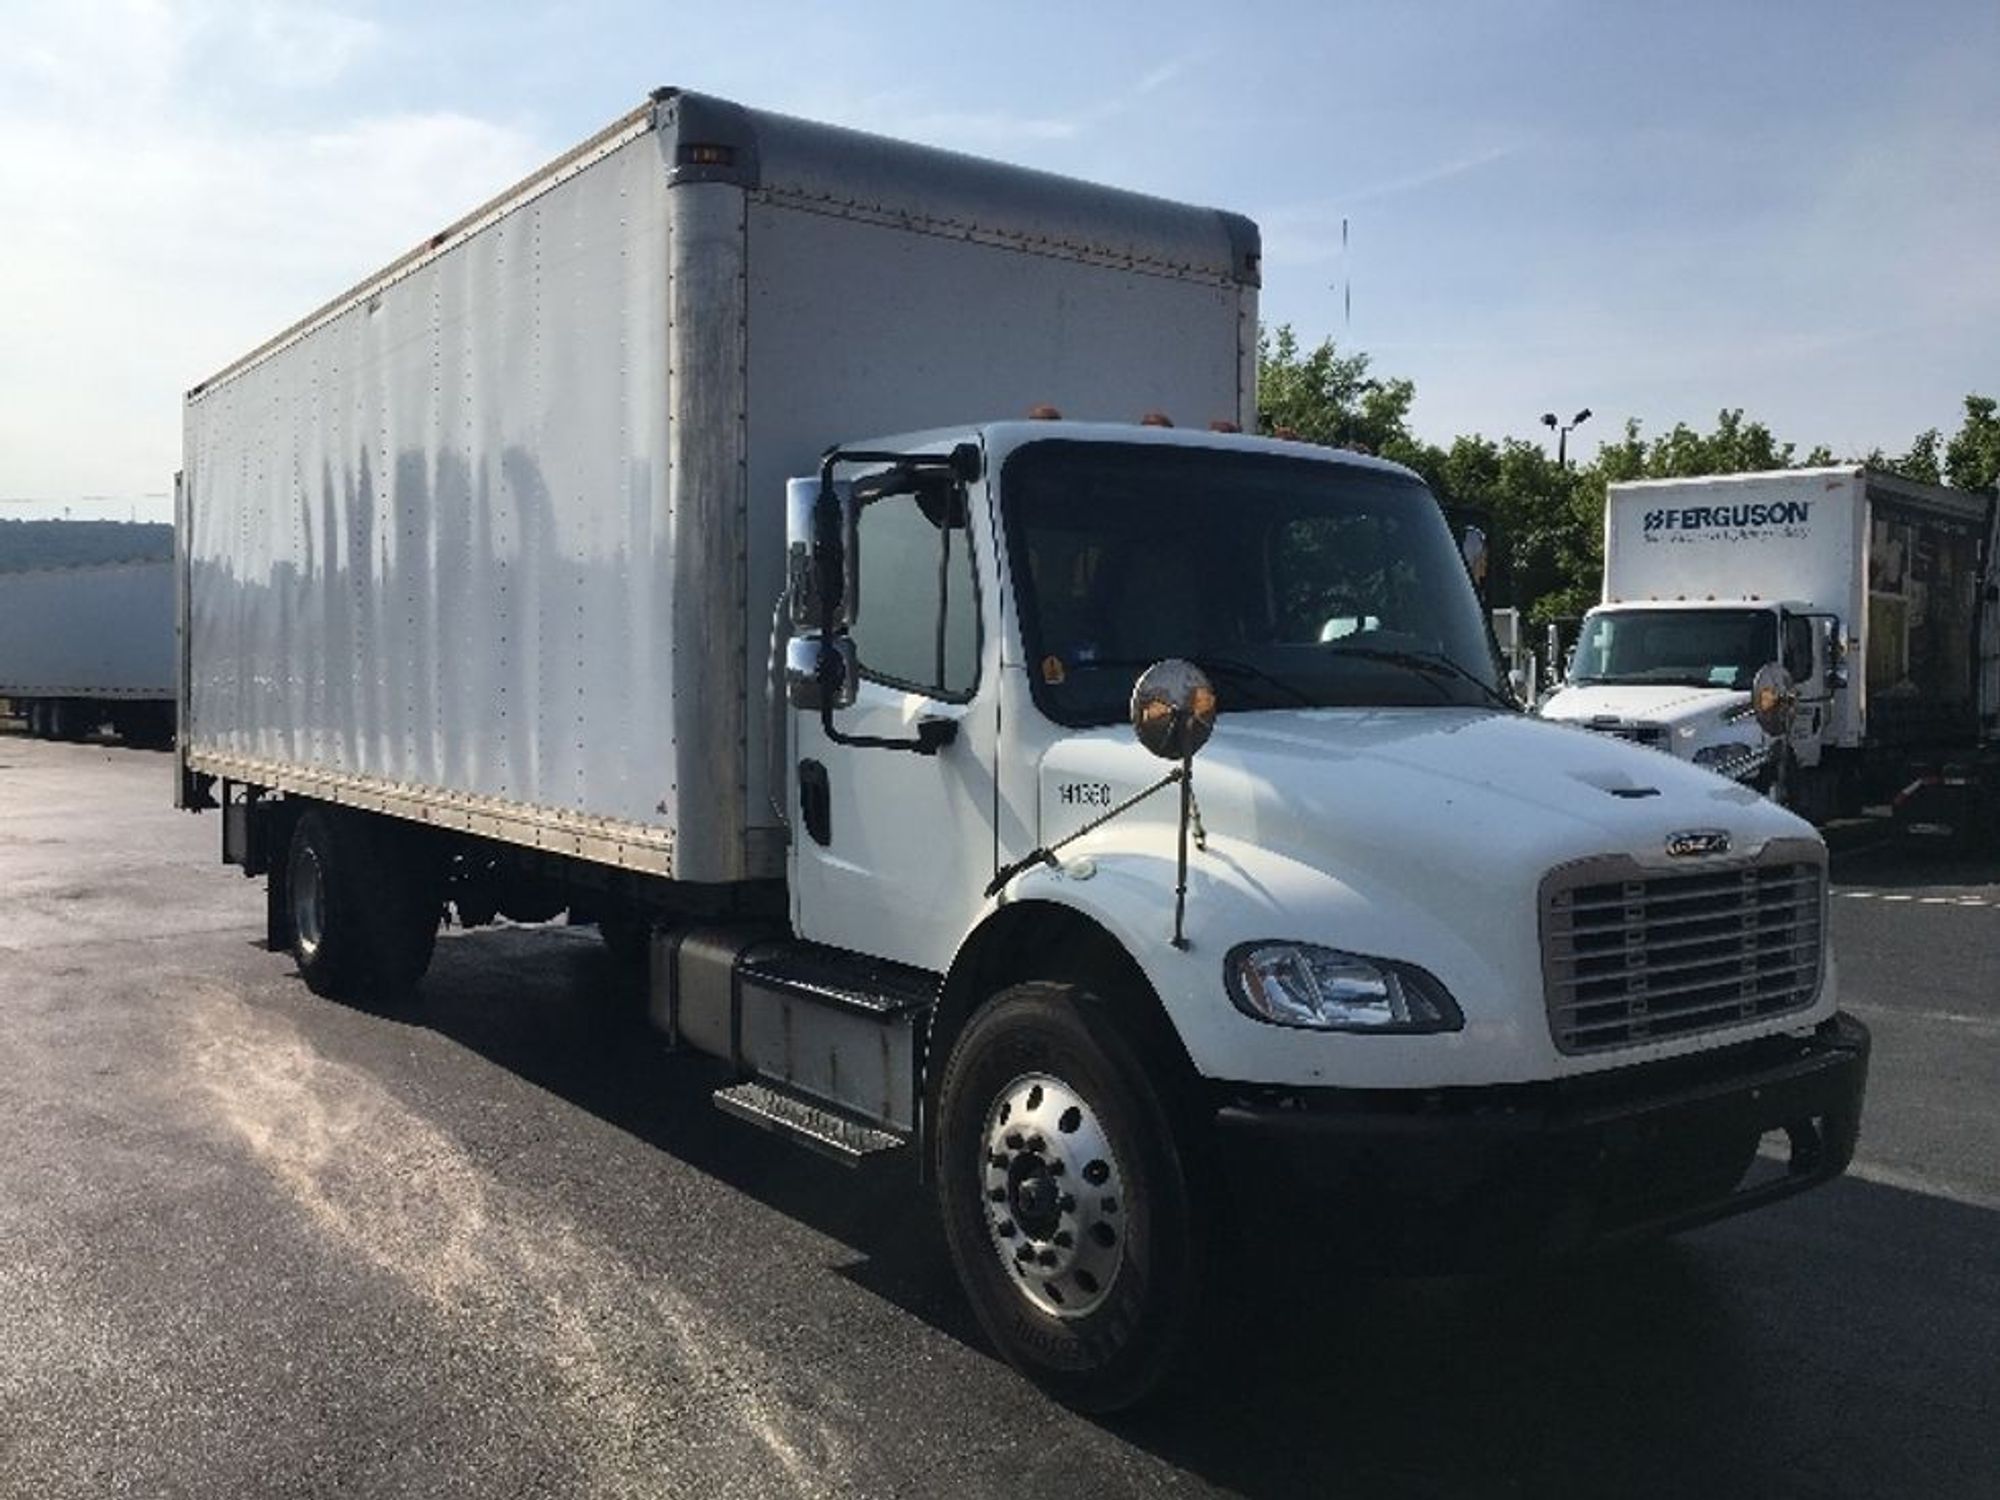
1173	708
1774	698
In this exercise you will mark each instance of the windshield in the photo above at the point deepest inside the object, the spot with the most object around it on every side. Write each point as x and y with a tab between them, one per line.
1703	647
1292	581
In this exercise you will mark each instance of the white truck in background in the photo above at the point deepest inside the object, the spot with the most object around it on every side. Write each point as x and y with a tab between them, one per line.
562	565
1871	604
89	646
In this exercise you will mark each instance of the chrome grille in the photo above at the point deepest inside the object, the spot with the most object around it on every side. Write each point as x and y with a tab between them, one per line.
1631	955
1654	735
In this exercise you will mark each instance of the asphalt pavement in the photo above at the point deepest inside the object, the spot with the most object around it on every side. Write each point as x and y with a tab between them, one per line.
256	1243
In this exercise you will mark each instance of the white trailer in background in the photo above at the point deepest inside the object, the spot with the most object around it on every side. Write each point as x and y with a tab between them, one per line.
562	565
84	647
1876	596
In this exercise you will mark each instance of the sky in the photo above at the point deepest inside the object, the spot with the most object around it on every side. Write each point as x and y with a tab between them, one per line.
1653	211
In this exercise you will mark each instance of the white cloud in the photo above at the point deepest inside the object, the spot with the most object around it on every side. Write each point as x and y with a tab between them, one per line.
150	242
997	130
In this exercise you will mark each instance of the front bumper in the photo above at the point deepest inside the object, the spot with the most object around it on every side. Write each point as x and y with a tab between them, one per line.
1452	1179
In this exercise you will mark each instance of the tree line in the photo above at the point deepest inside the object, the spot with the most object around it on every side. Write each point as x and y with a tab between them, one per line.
1549	519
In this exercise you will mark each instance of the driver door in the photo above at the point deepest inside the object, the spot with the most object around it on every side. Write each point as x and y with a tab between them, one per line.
891	849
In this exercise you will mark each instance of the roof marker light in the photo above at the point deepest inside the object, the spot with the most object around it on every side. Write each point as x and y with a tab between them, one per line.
1156	419
1044	413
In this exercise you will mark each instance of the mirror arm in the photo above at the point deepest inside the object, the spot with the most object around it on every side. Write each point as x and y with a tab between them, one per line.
933	735
1047	854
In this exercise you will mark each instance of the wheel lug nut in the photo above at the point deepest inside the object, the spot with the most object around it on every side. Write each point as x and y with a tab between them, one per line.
998	1195
1036	1144
1005	1229
1013	1140
1063	1240
1056	1167
1096	1173
995	1159
1048	1257
1067	1203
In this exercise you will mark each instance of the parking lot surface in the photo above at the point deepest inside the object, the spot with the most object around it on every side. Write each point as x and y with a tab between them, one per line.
256	1243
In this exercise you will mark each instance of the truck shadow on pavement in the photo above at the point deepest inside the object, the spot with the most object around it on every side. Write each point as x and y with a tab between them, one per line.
1837	1344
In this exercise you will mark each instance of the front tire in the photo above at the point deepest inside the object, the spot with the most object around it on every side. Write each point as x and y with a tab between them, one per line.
1065	1199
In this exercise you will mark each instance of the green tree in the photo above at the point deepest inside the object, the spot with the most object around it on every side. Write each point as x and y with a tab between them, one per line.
1922	463
1972	457
1326	396
1549	521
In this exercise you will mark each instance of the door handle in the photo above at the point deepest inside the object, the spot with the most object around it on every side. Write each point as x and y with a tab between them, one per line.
816	802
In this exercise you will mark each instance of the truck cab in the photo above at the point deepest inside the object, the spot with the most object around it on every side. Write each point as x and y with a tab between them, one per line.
1680	676
1340	931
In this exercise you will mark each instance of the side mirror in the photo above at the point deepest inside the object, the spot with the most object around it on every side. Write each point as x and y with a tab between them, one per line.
820	673
821	566
1173	708
1836	655
1552	653
1774	698
1472	547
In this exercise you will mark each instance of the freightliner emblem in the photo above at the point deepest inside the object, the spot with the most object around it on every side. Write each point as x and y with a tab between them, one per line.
1697	841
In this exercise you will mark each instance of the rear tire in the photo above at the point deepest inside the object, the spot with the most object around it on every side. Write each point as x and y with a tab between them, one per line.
363	907
1065	1198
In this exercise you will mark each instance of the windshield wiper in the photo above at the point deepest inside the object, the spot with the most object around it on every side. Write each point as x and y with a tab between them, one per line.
1430	666
1215	666
1229	666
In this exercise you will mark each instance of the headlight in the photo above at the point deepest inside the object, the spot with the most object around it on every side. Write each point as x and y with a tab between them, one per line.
1297	984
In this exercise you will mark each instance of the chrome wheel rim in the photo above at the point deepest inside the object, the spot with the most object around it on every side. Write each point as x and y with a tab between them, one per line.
1054	1196
308	884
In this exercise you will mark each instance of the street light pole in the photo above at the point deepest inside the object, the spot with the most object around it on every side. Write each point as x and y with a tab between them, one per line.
1563	430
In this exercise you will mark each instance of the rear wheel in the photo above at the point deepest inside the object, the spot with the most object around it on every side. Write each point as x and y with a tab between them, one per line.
362	907
1065	1200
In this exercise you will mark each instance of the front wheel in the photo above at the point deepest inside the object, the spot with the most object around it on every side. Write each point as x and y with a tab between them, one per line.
1065	1200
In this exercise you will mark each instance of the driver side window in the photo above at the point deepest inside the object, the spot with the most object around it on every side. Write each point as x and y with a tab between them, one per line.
917	625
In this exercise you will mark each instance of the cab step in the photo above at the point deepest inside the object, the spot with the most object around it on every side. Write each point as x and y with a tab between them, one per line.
814	1126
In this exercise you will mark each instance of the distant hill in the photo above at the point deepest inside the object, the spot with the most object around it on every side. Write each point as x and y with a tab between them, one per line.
70	544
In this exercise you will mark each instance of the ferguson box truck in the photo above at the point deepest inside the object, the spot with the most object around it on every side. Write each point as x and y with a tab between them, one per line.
84	647
661	542
1868	603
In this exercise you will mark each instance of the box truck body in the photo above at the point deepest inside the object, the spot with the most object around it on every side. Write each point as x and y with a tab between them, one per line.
566	564
83	646
534	476
1875	593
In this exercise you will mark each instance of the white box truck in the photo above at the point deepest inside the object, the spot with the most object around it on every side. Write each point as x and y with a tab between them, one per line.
564	564
84	647
1873	600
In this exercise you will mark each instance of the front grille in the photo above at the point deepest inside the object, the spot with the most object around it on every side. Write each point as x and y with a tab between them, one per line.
1631	955
1654	735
